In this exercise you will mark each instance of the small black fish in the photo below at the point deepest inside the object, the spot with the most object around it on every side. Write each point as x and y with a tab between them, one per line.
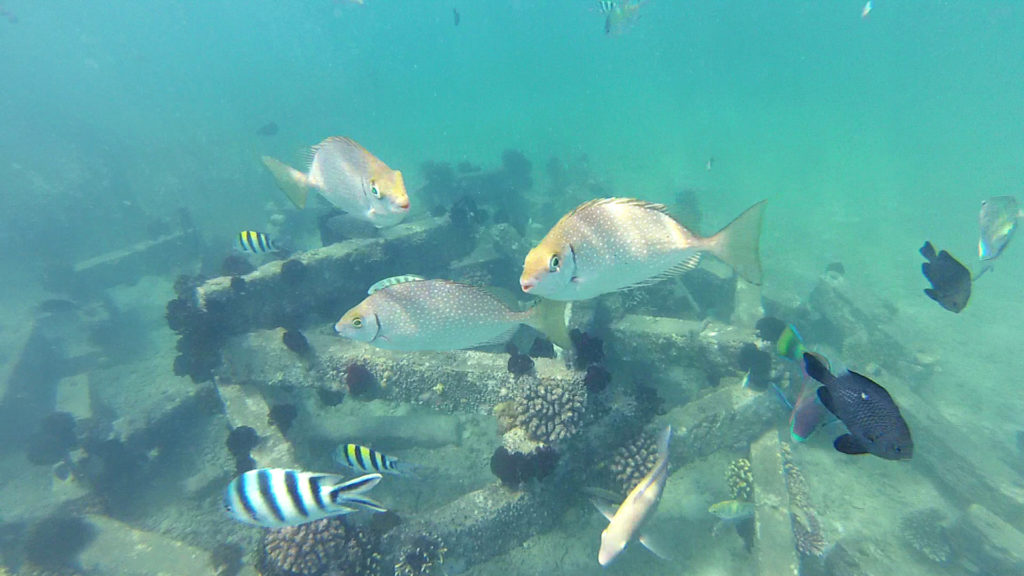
868	411
268	129
951	280
455	16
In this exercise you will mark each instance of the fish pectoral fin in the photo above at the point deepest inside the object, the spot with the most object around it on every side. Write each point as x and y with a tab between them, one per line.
826	398
604	508
657	548
847	444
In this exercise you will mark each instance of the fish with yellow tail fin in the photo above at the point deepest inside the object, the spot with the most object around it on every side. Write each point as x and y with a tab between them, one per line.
410	313
625	523
611	244
808	414
349	177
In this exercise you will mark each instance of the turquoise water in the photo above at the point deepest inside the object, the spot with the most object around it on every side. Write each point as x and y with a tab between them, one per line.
867	136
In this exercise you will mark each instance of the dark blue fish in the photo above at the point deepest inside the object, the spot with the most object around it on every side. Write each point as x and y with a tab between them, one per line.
868	411
951	280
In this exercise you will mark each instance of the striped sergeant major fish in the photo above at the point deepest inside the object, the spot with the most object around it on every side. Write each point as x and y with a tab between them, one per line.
255	242
365	459
275	498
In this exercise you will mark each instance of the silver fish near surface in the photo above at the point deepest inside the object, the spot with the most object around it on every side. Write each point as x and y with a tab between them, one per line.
997	221
409	313
369	460
612	244
626	523
350	178
275	497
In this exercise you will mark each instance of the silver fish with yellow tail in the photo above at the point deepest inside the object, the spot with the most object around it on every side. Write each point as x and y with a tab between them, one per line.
997	221
349	177
611	244
625	523
410	313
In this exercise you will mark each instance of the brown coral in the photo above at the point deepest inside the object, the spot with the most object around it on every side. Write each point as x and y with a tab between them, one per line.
549	412
327	546
925	531
740	480
632	461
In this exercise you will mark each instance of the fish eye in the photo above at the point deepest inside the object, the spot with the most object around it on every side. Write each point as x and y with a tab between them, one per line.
357	322
554	263
374	190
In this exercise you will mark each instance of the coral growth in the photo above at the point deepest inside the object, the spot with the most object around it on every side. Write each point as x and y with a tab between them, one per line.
807	531
328	546
241	440
236	265
740	480
514	468
518	364
424	556
925	531
293	272
632	461
550	412
282	416
360	381
296	342
596	379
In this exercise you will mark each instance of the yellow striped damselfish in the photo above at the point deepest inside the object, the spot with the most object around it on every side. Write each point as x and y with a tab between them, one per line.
255	242
366	459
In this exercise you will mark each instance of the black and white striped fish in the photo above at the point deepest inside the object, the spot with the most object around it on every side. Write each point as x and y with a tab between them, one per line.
255	242
275	498
366	459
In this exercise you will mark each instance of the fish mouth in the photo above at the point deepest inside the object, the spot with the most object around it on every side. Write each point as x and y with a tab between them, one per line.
403	205
526	285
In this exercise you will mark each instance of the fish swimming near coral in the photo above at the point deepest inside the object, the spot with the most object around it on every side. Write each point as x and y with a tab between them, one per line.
997	221
255	242
350	178
808	414
410	313
611	244
366	459
868	411
275	497
732	510
628	520
950	280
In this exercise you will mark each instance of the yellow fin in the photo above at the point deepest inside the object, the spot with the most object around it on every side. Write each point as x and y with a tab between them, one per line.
291	181
549	317
738	243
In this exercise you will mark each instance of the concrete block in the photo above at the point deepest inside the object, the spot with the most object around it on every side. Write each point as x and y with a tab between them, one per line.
774	546
121	549
992	544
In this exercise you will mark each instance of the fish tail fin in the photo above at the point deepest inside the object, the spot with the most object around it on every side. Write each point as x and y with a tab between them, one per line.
663	439
738	243
817	367
549	317
790	344
406	469
294	183
782	396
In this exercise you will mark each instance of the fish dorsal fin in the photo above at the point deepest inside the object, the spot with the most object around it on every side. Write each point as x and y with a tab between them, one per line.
620	202
403	279
354	153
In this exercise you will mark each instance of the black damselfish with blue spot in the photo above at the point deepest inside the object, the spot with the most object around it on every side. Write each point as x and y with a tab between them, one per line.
868	411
